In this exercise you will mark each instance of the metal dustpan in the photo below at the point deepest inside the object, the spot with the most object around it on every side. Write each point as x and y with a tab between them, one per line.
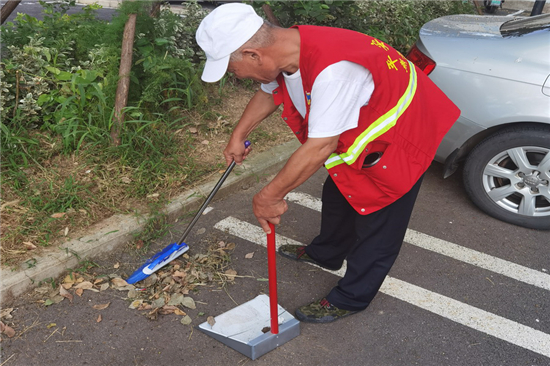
259	325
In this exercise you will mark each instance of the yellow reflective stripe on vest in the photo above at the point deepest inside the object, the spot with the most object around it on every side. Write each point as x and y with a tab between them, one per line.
378	127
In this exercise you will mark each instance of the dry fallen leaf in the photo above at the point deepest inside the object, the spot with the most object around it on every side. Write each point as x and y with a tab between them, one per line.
249	255
211	320
168	309
29	245
176	299
116	265
145	307
58	215
153	314
205	142
119	282
101	306
178	311
63	292
98	318
158	303
79	291
230	273
6	313
66	231
85	285
188	302
69	280
186	320
136	304
54	300
193	130
179	274
7	330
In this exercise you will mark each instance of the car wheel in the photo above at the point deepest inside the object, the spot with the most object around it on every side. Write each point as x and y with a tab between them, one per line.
507	175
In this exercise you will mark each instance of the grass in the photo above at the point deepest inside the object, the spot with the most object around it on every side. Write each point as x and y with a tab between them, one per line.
50	196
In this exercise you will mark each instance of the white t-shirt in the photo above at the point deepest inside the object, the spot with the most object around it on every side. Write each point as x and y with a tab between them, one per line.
338	93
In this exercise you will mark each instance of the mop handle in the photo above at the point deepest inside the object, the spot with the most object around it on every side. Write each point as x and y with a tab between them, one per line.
272	270
210	196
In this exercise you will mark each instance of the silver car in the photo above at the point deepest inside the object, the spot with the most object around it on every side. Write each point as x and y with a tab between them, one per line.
496	69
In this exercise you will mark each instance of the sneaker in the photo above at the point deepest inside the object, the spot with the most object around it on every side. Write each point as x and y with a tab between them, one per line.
321	312
298	253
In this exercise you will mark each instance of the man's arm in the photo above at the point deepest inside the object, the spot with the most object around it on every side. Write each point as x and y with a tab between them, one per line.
260	107
269	203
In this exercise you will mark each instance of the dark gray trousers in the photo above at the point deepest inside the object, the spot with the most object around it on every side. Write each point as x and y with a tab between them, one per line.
370	244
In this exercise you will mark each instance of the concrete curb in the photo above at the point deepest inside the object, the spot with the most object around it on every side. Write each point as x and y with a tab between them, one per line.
117	230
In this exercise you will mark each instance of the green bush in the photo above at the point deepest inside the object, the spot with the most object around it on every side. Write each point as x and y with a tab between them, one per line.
396	22
58	80
57	76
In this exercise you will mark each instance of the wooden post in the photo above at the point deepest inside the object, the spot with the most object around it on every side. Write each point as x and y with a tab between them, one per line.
478	7
155	9
270	16
121	98
8	8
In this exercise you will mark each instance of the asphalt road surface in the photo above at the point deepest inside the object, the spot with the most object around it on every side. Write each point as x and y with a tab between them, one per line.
466	290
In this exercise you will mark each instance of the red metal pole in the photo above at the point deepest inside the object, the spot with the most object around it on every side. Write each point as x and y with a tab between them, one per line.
272	271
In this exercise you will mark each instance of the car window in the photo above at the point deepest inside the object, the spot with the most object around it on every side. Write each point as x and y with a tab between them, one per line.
522	26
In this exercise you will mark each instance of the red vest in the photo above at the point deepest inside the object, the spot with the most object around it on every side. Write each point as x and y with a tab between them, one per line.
405	119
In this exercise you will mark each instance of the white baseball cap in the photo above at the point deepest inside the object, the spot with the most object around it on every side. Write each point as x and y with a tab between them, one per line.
222	32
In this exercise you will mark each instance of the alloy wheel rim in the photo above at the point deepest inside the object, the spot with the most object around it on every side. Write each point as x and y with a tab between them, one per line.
518	180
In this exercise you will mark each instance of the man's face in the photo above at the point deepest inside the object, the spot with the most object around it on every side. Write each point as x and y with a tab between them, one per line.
252	66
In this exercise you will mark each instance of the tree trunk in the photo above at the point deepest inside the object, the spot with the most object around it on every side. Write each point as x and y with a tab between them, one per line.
155	9
270	16
8	8
478	7
123	86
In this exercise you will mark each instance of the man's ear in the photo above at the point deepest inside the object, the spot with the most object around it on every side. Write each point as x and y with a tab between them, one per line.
252	54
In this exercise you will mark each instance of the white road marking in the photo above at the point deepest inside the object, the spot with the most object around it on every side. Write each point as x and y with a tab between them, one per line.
483	321
479	259
455	251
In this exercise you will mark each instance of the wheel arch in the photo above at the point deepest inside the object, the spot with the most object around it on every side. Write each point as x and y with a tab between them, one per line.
459	155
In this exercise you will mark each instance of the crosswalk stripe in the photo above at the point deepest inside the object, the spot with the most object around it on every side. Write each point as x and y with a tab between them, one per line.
455	251
483	321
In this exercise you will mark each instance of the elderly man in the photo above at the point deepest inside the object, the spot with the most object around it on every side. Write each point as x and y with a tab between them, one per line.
359	108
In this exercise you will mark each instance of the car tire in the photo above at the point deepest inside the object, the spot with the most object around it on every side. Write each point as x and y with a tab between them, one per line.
507	176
